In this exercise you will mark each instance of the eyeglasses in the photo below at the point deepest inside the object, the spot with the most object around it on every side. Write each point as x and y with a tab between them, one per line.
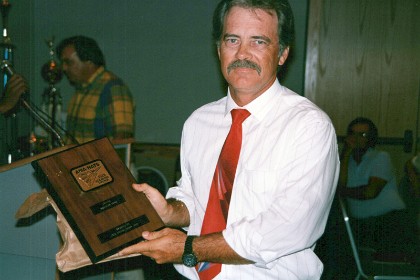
359	134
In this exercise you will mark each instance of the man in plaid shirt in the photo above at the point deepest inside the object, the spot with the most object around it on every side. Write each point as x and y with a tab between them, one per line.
102	104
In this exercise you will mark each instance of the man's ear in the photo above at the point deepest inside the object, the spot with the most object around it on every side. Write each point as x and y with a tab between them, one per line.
283	56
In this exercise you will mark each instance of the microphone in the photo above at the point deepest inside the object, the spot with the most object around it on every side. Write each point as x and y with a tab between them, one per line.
5	66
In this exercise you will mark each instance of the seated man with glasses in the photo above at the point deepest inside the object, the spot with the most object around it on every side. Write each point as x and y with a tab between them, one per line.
368	183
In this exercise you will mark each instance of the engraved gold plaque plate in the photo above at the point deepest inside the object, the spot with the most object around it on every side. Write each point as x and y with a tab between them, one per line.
91	175
92	187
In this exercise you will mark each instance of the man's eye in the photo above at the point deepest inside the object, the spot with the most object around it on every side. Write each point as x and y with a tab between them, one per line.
231	41
260	42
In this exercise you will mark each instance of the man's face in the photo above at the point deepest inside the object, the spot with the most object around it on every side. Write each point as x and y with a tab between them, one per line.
249	52
77	71
358	136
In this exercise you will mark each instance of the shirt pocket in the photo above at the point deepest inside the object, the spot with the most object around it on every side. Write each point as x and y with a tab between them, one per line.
255	190
258	181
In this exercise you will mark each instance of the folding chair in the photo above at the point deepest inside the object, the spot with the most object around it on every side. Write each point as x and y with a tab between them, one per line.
360	272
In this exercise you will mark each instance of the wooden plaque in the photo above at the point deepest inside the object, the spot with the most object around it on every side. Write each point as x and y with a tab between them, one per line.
92	187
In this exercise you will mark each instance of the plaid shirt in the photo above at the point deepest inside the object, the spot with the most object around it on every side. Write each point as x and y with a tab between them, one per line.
102	107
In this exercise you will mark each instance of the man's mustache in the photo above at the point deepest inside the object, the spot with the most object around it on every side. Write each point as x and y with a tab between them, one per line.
244	64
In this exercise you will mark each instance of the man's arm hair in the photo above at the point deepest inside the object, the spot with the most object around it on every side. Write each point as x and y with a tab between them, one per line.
177	214
214	248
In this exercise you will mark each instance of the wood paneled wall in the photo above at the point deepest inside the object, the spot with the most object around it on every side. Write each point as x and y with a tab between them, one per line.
363	59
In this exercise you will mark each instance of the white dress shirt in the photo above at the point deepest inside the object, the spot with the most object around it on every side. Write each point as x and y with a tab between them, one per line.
284	184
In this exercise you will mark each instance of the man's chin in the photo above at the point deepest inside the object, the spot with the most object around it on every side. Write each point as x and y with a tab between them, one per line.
359	152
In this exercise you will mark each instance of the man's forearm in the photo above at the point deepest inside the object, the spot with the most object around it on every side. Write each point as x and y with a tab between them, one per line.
344	165
364	192
214	248
178	215
211	247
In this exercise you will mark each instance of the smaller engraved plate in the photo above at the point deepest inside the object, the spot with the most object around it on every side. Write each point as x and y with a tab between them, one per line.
92	175
123	228
107	204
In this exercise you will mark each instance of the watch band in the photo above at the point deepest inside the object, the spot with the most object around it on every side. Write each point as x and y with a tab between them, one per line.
188	258
188	244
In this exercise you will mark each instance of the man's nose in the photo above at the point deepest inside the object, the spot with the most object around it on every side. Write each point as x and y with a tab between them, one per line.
243	51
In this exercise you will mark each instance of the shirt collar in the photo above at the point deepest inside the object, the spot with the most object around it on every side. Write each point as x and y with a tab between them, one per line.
92	78
258	107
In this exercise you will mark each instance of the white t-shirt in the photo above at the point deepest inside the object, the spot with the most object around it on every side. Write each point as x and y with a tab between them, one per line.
374	164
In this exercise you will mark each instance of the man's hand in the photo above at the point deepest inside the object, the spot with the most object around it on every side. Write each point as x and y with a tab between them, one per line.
164	246
15	87
350	141
348	147
172	212
414	178
155	197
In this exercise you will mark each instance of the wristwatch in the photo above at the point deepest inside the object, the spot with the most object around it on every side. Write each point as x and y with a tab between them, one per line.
188	258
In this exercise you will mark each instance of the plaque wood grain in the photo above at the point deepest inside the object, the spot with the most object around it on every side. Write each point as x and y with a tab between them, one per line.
110	215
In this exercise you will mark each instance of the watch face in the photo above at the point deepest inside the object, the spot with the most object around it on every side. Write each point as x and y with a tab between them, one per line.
189	260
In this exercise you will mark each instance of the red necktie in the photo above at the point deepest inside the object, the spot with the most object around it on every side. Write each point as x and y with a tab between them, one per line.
216	214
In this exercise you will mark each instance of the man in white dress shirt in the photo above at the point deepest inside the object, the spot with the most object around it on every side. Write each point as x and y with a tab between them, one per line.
287	169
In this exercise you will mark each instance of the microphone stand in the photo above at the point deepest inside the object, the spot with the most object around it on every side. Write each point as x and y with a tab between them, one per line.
42	121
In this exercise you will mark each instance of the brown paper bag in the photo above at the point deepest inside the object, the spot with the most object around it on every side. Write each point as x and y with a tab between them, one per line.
71	255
